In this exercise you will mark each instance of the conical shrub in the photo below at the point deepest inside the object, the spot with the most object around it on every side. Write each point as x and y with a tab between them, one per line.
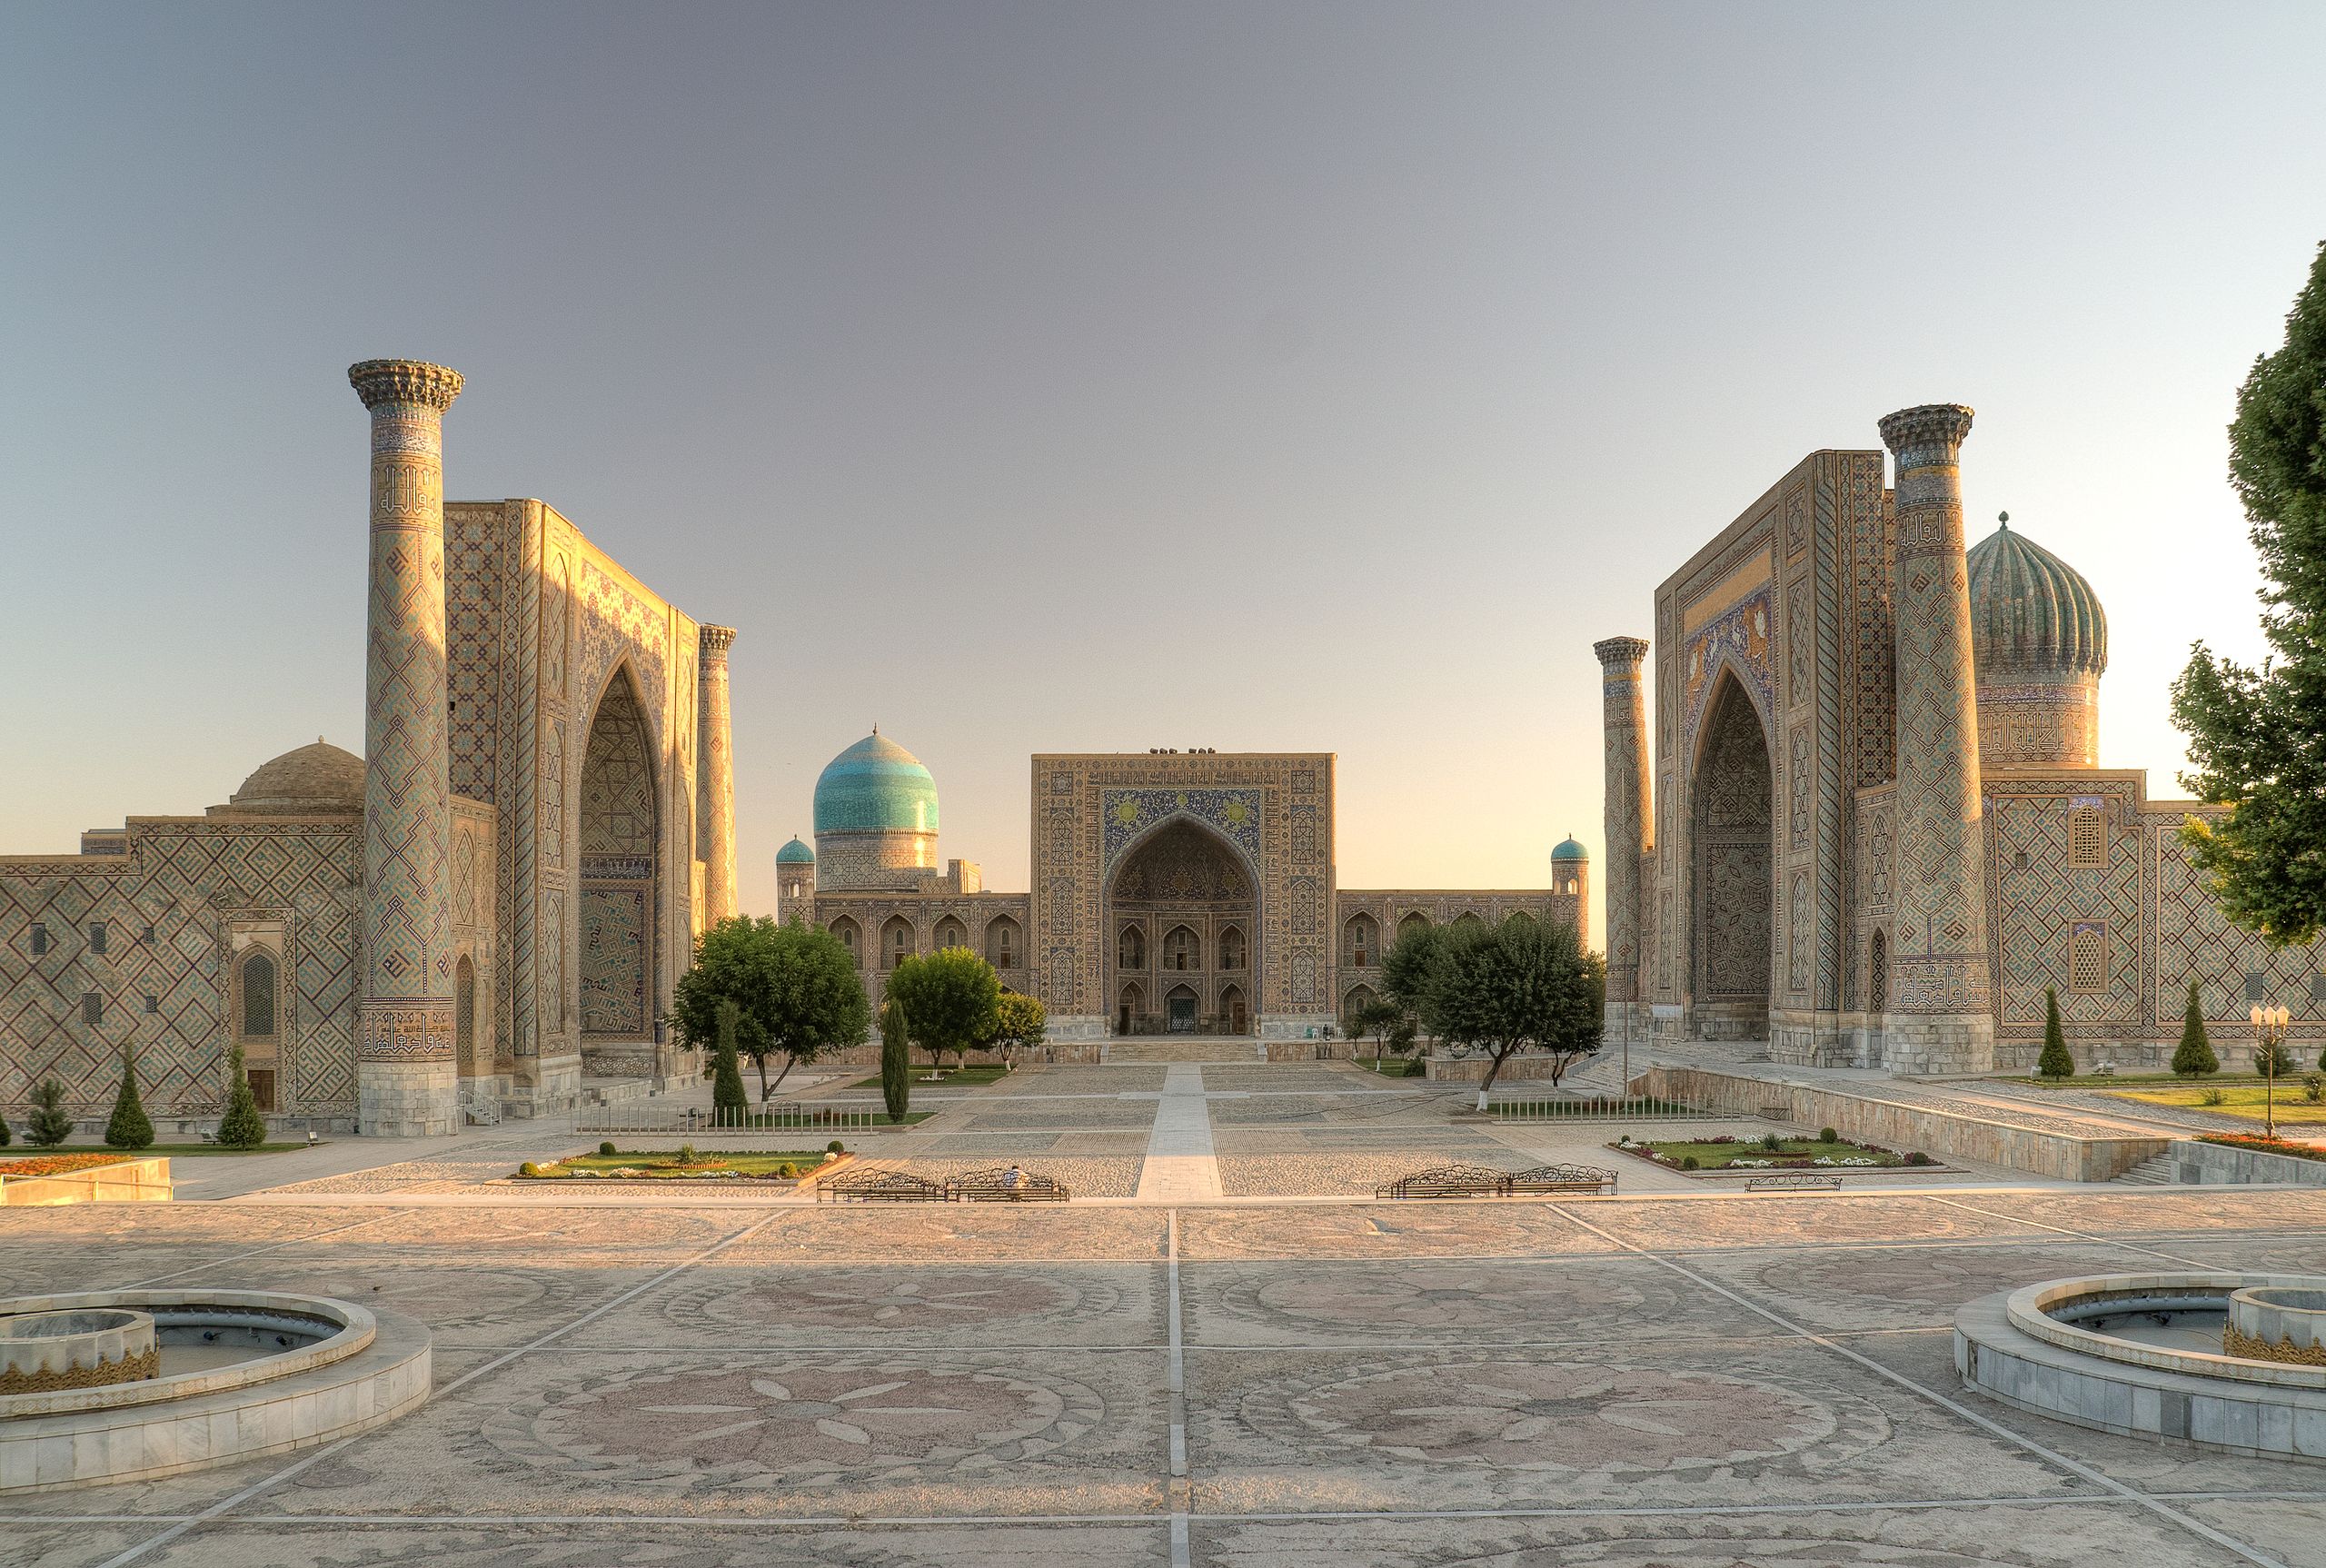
51	1124
2194	1056
2055	1062
130	1129
242	1127
730	1106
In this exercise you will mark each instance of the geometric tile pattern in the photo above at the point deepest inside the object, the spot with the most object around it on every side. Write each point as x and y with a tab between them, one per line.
1624	716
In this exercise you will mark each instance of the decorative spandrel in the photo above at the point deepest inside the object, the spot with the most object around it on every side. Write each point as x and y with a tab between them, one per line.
1129	814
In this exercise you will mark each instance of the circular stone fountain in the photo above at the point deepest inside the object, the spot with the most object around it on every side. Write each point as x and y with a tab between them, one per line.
225	1375
2160	1355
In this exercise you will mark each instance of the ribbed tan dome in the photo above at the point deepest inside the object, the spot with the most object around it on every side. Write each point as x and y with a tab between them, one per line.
2032	615
314	779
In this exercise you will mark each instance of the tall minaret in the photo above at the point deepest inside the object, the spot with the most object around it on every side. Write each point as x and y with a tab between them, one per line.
407	1083
1624	711
1941	1019
716	770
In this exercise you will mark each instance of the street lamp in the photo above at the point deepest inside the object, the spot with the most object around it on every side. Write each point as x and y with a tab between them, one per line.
2269	1025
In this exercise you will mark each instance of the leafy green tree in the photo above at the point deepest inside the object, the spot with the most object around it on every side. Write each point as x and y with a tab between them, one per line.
896	1061
129	1128
1516	986
2277	1061
794	986
1375	1020
2195	1057
952	999
6	1138
2055	1062
2257	735
242	1127
50	1124
1020	1024
731	1104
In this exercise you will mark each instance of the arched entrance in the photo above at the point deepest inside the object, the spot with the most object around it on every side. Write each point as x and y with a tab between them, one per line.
620	892
1734	866
1190	888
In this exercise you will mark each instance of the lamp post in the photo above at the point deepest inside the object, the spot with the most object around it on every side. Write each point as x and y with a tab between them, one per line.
2269	1025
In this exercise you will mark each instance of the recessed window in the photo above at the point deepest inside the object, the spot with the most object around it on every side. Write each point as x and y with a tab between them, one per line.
146	936
98	937
2088	956
2087	838
40	937
258	996
93	1007
153	1003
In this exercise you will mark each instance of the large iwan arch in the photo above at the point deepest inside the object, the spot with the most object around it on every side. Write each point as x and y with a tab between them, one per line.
621	889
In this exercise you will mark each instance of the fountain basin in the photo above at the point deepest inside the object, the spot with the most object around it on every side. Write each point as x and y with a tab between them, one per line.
2129	1353
42	1351
2277	1323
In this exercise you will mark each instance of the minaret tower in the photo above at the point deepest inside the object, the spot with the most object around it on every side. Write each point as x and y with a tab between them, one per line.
1624	712
716	770
1941	1019
407	1083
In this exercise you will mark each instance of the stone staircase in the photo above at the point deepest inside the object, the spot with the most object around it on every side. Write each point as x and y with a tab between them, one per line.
2162	1170
1165	1048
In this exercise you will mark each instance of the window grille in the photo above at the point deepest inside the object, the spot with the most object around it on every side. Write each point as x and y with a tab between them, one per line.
258	996
153	1003
2087	837
93	1007
39	938
2088	957
98	937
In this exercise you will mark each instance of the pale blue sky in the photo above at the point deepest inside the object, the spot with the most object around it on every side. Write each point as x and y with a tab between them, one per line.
1048	378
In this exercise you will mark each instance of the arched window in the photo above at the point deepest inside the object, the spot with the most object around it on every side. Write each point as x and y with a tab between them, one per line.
2088	956
1130	948
1360	942
1359	998
896	941
844	929
1002	944
1133	1003
1468	917
1231	1010
1877	974
950	933
1416	921
1231	948
1182	949
258	994
2087	837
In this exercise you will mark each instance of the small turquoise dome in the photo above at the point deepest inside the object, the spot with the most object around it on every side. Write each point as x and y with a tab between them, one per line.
876	786
1568	850
2032	616
795	854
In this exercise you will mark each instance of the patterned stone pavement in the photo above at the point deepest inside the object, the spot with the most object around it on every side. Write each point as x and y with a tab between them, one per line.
1618	1383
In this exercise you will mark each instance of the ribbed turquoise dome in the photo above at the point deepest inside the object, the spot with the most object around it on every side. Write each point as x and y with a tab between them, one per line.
2031	614
795	854
1568	850
876	786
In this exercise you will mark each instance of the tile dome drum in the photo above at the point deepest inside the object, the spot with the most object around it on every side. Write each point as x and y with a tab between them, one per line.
795	853
2040	640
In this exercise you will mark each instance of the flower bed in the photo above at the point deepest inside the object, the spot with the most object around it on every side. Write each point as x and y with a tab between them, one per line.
1753	1156
59	1165
2261	1144
714	1165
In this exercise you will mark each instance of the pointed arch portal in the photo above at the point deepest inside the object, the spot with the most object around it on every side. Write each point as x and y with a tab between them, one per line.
1734	867
1194	895
620	885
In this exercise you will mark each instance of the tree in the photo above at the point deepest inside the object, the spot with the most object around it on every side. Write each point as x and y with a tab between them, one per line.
1375	1020
731	1105
2055	1062
1019	1023
951	999
2257	735
242	1127
129	1128
794	986
2276	1061
1515	986
1410	968
2195	1057
895	1064
50	1124
6	1138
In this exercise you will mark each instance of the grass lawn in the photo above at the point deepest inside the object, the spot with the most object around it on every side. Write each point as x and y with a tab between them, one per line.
1712	1157
180	1150
663	1165
2238	1099
1394	1067
2116	1080
951	1078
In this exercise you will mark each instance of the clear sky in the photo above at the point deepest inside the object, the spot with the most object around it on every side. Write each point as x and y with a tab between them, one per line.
1261	376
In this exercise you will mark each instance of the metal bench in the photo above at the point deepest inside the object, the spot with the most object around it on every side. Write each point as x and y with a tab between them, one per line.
1562	1178
1448	1181
1792	1180
880	1186
1006	1186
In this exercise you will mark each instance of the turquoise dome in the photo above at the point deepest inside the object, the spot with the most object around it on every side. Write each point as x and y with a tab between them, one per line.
876	786
2032	615
795	854
1568	850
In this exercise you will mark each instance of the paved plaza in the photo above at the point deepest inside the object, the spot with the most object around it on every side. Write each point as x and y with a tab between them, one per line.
1225	1356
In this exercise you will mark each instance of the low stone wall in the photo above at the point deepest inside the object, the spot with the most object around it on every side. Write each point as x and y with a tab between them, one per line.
129	1181
2220	1165
1472	1069
1949	1135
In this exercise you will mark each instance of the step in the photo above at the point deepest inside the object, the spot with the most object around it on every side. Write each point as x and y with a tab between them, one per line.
2162	1170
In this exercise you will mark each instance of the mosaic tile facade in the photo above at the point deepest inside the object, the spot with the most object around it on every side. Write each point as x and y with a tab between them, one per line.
1624	713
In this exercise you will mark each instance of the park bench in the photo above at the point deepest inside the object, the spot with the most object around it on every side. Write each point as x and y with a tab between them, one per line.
1448	1181
1562	1178
1006	1186
882	1186
1795	1180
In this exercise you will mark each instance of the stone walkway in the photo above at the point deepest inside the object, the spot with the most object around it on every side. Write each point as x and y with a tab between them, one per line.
1181	1165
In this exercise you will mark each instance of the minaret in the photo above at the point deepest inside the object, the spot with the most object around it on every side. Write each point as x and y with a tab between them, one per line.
1625	713
407	1083
716	770
1941	1019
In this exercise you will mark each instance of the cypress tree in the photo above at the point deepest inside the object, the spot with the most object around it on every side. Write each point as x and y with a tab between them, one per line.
896	1062
242	1127
51	1124
2195	1057
731	1107
130	1129
2055	1062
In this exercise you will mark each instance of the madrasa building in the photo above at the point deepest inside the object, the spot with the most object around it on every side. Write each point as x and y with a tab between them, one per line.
1868	826
1187	892
491	903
